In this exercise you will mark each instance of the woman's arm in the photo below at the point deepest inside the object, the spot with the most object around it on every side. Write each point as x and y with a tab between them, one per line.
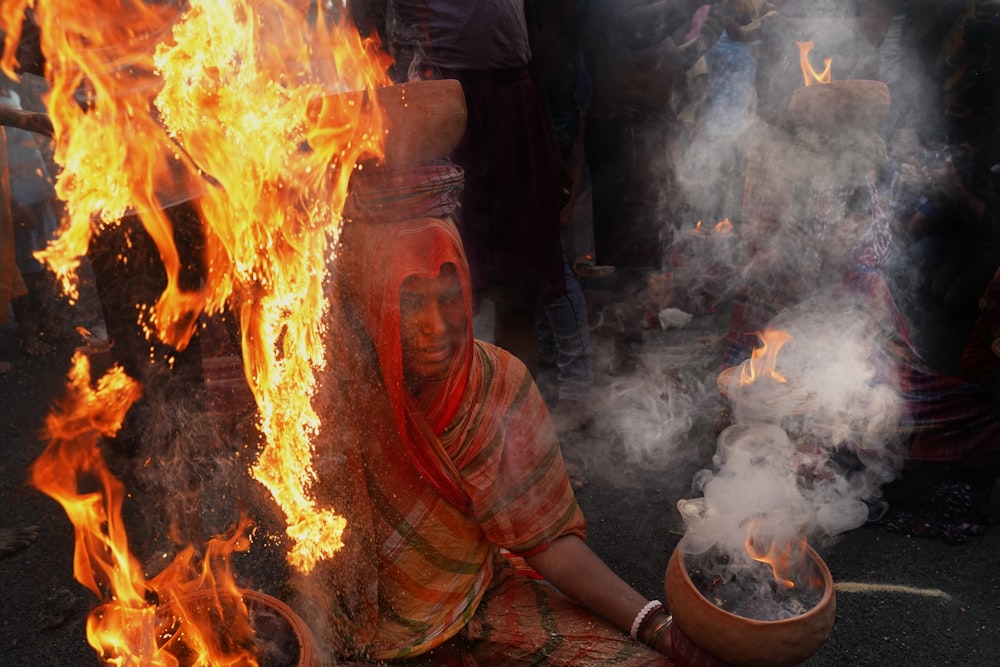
31	121
571	566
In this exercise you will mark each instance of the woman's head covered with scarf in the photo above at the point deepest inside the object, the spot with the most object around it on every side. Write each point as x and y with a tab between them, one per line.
374	262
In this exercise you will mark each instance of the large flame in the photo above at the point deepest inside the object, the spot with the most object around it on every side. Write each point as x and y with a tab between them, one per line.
763	360
810	75
251	109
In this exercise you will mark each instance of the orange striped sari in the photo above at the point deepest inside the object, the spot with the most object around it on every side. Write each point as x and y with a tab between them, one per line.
434	484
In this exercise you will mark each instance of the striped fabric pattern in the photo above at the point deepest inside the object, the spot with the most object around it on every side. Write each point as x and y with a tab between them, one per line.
471	465
436	560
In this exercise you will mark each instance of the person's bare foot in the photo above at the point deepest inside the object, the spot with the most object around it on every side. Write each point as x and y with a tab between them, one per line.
13	540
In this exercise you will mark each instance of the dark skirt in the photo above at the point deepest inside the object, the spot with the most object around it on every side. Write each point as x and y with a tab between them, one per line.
509	215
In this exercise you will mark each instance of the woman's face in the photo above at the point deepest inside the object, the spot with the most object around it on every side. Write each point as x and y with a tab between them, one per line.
432	324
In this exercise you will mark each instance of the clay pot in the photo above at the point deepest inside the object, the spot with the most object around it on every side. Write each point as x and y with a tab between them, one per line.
840	105
765	400
284	636
425	120
743	641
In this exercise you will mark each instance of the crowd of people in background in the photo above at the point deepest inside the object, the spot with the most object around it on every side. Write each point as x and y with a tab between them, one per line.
663	113
600	131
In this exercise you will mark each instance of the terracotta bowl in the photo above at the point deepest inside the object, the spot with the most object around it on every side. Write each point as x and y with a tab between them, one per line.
743	641
765	398
853	104
284	636
425	120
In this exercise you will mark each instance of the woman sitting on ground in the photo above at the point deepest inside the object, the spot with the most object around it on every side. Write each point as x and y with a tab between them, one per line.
465	541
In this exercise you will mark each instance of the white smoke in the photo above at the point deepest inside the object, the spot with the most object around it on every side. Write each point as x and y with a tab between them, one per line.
812	468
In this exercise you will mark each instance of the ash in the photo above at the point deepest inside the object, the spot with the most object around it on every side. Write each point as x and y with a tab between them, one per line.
750	590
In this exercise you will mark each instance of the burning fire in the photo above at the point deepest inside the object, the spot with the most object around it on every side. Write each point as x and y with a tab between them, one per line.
785	560
808	73
258	114
248	107
131	623
722	227
763	359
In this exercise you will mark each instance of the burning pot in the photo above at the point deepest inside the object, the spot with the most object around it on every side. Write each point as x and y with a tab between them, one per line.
859	104
740	640
213	626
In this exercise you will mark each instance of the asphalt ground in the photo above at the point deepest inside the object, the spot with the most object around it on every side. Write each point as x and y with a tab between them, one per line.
900	599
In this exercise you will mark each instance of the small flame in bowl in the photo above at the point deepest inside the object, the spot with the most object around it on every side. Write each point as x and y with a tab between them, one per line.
763	359
785	559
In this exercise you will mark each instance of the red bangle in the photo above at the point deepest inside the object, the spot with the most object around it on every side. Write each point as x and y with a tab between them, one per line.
640	624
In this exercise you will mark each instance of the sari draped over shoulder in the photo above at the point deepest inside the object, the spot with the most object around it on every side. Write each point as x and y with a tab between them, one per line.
439	481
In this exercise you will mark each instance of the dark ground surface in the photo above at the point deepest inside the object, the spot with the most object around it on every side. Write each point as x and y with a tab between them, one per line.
947	614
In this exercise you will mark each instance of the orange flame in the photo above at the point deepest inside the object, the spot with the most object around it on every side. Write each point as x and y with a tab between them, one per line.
763	359
724	227
257	114
808	73
785	560
130	624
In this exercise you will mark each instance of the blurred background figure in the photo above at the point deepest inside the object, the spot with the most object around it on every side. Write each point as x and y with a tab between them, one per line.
509	219
32	199
638	55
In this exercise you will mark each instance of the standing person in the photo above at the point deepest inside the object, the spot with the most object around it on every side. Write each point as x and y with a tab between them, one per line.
509	218
637	60
463	525
12	285
32	199
564	325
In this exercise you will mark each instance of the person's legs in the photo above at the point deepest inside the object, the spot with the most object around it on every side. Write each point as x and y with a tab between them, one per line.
567	319
509	219
515	328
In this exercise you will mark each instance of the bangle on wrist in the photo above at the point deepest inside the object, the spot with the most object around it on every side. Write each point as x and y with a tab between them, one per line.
643	615
662	627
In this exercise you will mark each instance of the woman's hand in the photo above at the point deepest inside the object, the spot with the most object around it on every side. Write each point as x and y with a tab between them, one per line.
657	633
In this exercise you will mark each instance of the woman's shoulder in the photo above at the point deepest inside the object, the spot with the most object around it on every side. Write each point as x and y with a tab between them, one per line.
497	356
502	375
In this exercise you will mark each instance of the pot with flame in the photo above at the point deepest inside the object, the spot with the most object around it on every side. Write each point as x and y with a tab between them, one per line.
739	640
247	626
825	104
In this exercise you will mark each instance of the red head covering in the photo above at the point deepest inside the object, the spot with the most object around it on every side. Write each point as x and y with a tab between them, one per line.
374	260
